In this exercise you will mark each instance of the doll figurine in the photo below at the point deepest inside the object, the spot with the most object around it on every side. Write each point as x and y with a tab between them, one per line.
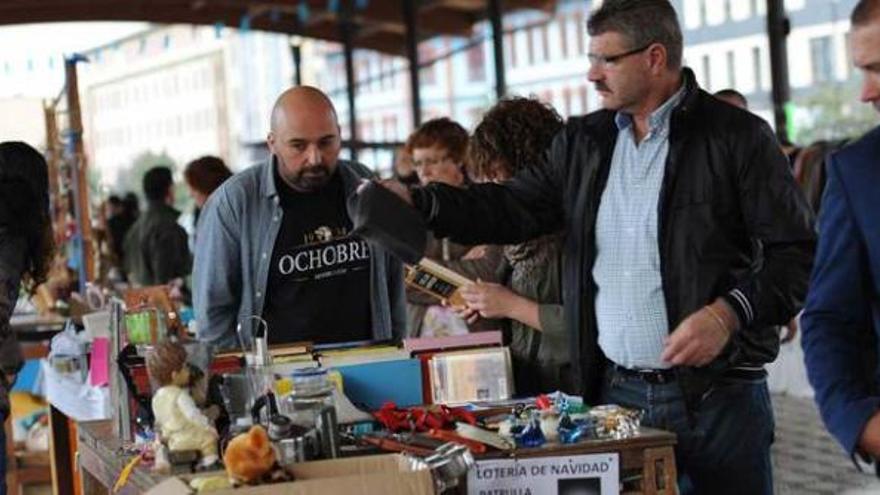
178	420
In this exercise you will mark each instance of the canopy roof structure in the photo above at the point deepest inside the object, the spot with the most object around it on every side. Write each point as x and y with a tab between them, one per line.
375	24
390	26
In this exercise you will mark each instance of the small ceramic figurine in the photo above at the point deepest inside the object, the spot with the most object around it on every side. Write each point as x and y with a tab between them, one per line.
179	421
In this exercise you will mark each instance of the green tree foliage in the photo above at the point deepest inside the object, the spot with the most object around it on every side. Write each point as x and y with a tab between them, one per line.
834	112
130	178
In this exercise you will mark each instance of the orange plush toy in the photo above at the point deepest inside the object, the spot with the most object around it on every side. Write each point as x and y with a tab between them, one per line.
249	456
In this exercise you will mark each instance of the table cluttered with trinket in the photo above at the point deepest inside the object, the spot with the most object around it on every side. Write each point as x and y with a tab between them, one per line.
429	416
642	463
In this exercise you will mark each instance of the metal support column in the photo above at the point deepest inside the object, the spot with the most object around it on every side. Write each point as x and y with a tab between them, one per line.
347	33
296	54
495	13
778	28
76	157
410	9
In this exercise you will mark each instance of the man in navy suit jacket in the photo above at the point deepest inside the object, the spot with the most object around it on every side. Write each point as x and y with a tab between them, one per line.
841	321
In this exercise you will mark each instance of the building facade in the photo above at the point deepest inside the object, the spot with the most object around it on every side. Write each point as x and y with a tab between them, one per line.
185	91
546	56
194	90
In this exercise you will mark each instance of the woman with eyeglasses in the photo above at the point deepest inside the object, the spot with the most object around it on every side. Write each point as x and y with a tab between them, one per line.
26	248
438	151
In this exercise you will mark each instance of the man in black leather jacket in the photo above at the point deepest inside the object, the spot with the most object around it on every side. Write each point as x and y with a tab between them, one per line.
731	244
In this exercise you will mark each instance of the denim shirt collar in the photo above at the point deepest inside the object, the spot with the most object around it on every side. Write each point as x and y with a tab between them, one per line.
659	118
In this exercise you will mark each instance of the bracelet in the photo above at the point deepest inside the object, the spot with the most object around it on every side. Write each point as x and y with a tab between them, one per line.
718	319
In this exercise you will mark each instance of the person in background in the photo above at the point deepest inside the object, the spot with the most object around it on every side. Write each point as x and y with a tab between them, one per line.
113	209
513	135
733	97
26	251
131	205
203	175
119	221
841	319
438	150
276	241
404	171
156	247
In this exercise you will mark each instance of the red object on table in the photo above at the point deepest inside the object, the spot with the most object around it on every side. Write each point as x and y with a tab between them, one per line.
422	418
543	402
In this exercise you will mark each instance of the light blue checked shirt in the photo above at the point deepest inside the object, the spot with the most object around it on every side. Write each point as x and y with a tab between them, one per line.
630	307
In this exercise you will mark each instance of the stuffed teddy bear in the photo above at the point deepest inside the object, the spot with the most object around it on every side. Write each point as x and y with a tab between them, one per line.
249	456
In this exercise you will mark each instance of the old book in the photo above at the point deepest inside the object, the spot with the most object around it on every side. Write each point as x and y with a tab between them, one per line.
436	280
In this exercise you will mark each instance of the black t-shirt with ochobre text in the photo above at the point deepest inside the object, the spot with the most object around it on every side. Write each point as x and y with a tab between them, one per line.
319	278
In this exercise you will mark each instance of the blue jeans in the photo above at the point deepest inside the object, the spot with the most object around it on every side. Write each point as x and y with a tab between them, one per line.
726	449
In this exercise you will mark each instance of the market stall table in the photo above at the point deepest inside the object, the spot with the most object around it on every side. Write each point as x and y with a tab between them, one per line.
36	328
34	332
646	461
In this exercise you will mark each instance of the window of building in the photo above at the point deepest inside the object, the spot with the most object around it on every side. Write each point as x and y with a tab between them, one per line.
847	40
510	50
545	43
753	7
562	22
530	46
731	69
585	105
703	14
386	128
580	33
566	102
383	79
757	68
427	74
707	73
691	14
476	62
822	59
728	13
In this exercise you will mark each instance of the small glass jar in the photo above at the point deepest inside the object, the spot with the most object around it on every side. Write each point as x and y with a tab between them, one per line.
311	392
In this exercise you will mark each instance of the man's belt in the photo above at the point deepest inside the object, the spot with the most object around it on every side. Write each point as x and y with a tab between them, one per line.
652	376
662	376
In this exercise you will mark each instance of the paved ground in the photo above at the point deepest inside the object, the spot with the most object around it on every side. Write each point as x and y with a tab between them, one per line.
806	460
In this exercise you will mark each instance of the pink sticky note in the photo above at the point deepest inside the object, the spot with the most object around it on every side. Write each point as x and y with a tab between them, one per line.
100	366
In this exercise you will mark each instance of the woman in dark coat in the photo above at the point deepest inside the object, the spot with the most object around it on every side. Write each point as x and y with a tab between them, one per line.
26	248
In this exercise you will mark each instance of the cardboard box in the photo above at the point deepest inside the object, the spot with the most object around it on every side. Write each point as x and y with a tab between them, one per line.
385	474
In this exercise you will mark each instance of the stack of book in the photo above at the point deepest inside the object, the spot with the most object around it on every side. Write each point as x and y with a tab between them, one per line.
463	368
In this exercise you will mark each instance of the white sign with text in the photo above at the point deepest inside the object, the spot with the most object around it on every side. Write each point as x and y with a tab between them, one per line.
595	474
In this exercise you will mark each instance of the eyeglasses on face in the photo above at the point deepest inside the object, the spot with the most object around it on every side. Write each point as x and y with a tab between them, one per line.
597	60
429	162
